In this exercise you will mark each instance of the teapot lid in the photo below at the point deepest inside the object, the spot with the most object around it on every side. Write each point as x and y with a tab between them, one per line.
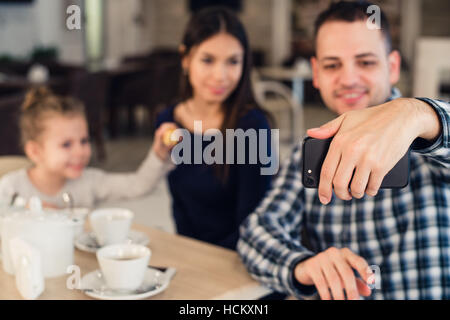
36	212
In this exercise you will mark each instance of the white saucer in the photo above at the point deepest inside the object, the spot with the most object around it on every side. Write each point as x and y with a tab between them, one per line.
93	285
87	242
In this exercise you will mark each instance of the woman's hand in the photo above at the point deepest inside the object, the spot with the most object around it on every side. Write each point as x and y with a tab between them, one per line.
163	144
368	143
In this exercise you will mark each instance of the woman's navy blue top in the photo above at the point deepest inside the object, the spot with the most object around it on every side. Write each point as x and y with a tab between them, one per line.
203	206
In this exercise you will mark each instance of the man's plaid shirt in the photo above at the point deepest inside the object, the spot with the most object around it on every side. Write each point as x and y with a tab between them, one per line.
404	232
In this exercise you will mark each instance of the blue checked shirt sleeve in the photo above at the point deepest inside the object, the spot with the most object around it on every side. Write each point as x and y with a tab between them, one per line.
440	149
270	238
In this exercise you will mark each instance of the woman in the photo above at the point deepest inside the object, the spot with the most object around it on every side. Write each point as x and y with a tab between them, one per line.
210	201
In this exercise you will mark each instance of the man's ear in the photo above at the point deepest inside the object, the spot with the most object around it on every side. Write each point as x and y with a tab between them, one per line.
315	72
33	151
394	60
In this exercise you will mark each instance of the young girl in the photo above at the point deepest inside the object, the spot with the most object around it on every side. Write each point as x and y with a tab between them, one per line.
55	138
210	201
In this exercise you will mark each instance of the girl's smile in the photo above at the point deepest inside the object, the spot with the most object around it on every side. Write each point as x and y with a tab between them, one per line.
61	152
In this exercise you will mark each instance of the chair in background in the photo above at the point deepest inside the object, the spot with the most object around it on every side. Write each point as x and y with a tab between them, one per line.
277	98
154	85
129	92
92	89
9	124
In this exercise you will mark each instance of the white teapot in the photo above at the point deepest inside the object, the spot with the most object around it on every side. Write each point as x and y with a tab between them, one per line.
49	233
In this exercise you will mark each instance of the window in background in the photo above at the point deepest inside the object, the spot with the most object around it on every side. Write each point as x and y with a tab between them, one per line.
94	31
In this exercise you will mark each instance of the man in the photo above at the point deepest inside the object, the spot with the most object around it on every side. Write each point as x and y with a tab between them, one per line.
402	234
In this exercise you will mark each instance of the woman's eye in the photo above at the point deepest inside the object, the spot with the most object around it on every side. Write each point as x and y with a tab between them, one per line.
234	61
85	141
207	60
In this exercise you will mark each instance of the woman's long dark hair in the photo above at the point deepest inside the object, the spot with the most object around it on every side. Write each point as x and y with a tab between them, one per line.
202	26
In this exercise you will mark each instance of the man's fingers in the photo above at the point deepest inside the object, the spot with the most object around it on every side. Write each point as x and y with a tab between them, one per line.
321	284
360	180
358	263
363	288
332	159
348	278
342	178
334	281
327	130
327	173
374	184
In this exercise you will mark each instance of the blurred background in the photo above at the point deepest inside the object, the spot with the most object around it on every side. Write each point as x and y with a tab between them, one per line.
122	62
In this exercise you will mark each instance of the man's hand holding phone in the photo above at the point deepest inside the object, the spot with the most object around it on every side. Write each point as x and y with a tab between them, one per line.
367	144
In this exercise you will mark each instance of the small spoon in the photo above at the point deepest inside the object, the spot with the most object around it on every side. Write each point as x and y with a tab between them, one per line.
68	199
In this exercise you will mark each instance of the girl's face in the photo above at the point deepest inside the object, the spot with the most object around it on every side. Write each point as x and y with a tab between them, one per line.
64	148
215	67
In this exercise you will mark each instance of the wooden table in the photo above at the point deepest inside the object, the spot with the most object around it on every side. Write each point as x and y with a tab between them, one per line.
204	271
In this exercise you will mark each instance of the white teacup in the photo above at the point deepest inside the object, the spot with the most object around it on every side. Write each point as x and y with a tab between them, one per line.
111	225
124	265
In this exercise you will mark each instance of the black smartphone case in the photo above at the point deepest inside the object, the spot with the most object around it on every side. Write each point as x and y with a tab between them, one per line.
315	151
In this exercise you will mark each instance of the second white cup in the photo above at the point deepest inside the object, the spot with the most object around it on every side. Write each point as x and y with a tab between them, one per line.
111	225
124	265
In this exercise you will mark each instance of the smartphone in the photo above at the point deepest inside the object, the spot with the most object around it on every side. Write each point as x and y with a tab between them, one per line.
315	151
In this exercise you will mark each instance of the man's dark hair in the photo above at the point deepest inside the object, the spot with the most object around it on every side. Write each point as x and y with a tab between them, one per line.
352	11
